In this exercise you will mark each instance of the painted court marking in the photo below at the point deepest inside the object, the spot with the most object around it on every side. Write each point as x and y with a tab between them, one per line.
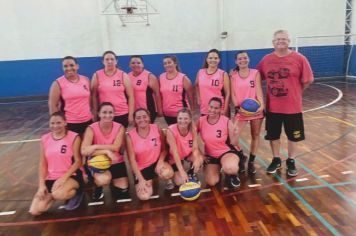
6	213
324	176
154	197
340	95
20	141
254	185
302	180
124	200
95	203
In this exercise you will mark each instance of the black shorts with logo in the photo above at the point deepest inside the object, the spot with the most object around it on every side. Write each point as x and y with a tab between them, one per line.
293	126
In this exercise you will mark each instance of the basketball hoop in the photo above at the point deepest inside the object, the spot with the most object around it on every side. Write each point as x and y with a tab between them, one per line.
129	9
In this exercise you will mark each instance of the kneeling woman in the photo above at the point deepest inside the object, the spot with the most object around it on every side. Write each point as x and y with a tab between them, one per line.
107	137
217	133
59	174
146	148
183	145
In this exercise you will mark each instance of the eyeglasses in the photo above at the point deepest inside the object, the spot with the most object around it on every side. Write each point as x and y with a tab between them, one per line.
280	39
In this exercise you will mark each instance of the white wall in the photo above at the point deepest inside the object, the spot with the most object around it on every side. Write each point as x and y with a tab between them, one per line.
36	29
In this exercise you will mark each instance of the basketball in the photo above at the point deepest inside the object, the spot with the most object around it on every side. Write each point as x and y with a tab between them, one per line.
99	163
190	191
249	107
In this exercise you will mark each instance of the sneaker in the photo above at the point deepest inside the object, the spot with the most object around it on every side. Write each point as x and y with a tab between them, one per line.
194	178
169	184
98	194
291	169
75	201
234	181
274	166
251	168
242	162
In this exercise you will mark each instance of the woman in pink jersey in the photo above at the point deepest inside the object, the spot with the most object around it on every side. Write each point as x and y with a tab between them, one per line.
107	137
59	174
113	85
217	133
146	88
212	82
71	94
175	88
246	83
183	146
146	149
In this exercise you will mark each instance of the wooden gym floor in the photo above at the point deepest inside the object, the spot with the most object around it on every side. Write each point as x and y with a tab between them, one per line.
321	200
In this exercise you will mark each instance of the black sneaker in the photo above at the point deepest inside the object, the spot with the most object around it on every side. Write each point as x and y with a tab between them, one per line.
242	162
98	194
251	168
291	169
274	166
234	181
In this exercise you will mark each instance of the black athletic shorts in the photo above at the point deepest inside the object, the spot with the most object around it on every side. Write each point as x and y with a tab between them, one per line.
292	123
148	173
170	120
217	160
123	119
79	127
174	166
118	170
78	177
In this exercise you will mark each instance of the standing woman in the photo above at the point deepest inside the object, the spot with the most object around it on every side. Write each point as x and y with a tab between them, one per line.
212	82
146	149
175	88
59	175
146	88
107	137
71	93
113	85
217	133
246	83
183	146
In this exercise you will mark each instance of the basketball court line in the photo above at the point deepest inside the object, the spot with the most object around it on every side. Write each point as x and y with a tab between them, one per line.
327	184
20	141
6	213
323	186
340	95
302	200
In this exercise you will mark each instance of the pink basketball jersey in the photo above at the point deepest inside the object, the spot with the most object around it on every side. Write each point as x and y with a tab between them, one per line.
210	85
58	154
112	89
107	139
184	143
76	99
147	150
215	136
244	88
142	92
173	94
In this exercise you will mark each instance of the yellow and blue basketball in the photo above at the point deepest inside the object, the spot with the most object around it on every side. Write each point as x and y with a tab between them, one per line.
190	191
249	107
99	163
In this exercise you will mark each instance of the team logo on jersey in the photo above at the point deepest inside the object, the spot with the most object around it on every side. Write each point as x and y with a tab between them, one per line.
297	134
